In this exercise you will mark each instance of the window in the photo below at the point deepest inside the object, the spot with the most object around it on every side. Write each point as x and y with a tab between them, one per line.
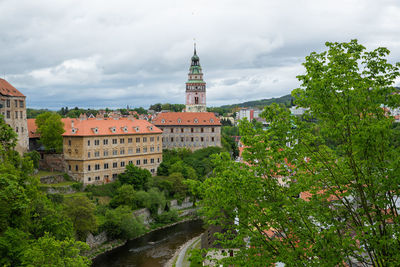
115	152
122	151
182	130
106	177
97	178
122	163
137	139
182	139
192	139
21	115
97	154
172	130
212	139
129	140
16	103
115	141
202	139
158	138
105	165
88	168
145	150
172	139
89	179
115	164
144	139
151	160
96	142
8	114
97	167
152	171
69	167
16	114
158	160
88	154
145	161
115	175
69	142
151	139
130	151
152	149
202	130
16	129
105	153
196	100
138	162
88	142
76	168
138	150
105	142
8	103
121	140
212	130
191	130
21	104
130	162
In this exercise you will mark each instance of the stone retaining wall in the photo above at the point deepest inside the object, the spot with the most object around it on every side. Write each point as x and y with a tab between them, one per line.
53	162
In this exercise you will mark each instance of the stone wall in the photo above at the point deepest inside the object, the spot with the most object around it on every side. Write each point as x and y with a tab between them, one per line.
186	203
52	179
96	240
53	162
144	214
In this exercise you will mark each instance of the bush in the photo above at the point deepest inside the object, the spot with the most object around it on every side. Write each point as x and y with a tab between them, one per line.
67	177
167	217
35	157
120	223
56	198
105	190
77	186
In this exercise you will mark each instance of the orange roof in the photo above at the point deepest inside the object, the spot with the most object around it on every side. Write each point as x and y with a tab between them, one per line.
186	119
7	89
93	127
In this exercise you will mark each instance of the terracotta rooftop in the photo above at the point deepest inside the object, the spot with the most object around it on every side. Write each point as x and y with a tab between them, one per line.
93	127
186	118
7	89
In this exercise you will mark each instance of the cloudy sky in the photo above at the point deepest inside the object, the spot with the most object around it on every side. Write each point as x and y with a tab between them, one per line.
116	53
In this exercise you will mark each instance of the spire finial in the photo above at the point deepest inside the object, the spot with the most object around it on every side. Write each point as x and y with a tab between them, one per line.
194	39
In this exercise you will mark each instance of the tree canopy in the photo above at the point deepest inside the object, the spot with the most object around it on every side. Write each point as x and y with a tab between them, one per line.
50	128
296	200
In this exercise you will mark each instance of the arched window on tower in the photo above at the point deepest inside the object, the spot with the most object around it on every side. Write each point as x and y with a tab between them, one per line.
196	100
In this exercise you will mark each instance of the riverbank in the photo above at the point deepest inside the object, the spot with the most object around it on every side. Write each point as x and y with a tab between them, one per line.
113	244
179	255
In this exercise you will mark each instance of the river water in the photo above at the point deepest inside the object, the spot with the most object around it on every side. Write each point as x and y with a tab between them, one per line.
153	249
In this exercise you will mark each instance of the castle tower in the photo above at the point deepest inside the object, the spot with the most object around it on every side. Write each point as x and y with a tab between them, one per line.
195	87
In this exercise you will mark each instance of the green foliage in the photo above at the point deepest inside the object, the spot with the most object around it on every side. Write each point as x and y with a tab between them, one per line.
77	186
49	252
286	100
81	212
125	195
56	198
153	199
35	157
167	106
104	190
346	214
196	258
167	217
8	138
50	128
135	176
120	223
33	113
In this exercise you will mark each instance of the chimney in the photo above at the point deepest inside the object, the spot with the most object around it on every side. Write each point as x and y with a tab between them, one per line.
72	124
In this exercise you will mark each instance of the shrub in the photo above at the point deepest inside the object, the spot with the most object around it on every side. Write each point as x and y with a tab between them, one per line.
120	223
167	217
105	190
56	198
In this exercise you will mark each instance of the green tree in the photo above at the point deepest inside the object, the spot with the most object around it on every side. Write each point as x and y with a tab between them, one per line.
8	138
125	195
120	223
49	252
35	157
135	176
51	128
346	213
81	212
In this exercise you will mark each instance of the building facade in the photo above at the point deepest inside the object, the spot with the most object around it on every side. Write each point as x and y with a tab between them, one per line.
195	87
96	151
193	130
13	109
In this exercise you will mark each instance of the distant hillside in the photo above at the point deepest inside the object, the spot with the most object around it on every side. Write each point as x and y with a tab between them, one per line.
286	99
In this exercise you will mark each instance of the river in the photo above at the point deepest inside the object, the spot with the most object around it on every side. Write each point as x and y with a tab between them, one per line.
151	250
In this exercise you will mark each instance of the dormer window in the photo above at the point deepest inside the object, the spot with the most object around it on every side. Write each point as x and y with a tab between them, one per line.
95	130
195	120
211	120
162	121
179	120
74	130
112	129
150	128
125	129
137	129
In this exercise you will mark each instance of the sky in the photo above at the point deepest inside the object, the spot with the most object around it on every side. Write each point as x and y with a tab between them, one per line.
97	54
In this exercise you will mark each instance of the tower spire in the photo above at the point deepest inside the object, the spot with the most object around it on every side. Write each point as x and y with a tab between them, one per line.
195	48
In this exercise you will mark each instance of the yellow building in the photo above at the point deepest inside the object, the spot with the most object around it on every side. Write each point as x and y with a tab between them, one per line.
96	151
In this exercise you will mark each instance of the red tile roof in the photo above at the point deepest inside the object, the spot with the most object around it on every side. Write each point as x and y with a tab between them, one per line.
186	118
104	127
7	89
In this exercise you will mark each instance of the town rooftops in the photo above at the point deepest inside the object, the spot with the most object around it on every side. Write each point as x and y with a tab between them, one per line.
98	127
7	89
186	119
